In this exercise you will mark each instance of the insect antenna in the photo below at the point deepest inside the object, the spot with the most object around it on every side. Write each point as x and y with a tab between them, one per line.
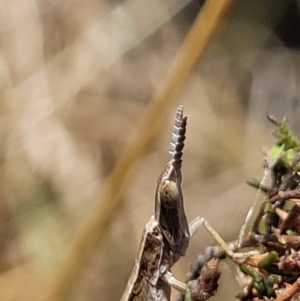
178	137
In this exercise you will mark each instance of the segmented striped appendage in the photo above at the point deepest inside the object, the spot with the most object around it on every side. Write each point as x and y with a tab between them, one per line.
178	137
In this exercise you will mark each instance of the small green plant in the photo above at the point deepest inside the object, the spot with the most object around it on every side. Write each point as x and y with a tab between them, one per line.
271	270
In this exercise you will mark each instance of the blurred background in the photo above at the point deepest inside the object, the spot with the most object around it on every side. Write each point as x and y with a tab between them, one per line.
75	79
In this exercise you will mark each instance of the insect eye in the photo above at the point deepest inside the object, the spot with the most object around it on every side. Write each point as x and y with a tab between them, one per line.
169	191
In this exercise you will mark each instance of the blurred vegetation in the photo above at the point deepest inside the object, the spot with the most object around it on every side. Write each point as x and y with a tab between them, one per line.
76	78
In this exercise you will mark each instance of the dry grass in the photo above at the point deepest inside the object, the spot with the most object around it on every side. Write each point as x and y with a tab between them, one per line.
76	79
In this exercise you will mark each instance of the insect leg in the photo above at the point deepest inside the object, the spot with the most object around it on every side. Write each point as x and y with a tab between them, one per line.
171	280
195	224
235	256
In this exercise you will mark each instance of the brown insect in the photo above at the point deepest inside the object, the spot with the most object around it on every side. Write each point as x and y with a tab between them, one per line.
166	235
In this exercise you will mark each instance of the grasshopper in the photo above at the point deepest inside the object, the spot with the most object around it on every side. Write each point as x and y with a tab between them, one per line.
166	235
